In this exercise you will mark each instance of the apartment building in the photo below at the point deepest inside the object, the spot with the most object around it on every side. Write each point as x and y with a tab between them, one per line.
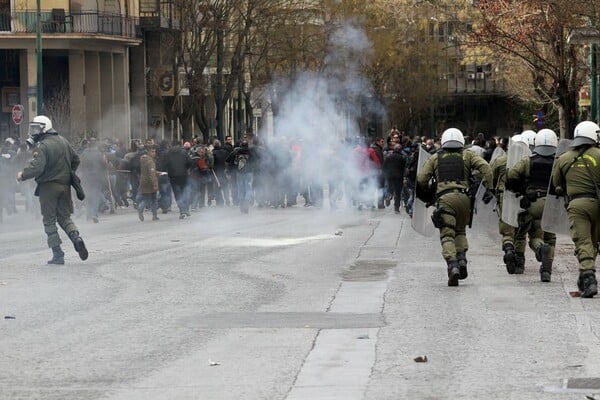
85	65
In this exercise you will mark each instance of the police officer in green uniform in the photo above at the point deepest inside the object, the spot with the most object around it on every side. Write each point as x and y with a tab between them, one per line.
451	168
51	166
530	178
577	174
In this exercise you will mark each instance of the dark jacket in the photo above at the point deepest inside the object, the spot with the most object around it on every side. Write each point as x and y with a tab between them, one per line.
220	155
53	160
177	162
245	155
394	165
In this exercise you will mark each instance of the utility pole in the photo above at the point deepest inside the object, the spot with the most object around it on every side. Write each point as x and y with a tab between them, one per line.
38	49
219	84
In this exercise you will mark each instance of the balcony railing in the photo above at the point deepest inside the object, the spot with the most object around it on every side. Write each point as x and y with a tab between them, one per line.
158	15
81	22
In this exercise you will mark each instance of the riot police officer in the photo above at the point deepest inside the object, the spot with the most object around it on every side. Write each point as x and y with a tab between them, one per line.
451	169
577	175
52	164
530	178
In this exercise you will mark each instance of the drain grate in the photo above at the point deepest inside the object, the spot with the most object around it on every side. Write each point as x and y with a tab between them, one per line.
368	271
584	383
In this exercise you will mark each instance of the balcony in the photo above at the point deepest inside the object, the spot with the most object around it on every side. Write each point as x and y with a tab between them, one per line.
60	22
157	15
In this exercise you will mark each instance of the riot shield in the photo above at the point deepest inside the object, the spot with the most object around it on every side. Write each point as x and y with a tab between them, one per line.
421	218
510	203
554	218
485	218
498	151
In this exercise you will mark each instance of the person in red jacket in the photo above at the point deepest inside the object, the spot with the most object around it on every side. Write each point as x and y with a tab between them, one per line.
376	157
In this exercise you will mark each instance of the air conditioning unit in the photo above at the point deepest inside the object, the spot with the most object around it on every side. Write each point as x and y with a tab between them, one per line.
480	75
471	76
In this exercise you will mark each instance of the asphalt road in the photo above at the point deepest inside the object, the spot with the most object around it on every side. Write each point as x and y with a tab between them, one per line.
298	303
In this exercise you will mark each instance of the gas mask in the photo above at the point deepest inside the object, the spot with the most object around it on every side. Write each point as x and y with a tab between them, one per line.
36	130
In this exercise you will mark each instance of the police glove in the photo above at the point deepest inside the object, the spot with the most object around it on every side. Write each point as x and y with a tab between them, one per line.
487	196
525	203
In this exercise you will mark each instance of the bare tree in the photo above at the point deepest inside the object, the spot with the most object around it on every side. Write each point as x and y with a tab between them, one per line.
57	108
534	33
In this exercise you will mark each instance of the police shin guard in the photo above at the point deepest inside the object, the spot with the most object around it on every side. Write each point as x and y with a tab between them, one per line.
462	264
453	273
546	267
587	284
58	256
520	268
78	244
510	258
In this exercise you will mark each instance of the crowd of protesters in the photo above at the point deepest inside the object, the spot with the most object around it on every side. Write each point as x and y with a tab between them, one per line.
185	176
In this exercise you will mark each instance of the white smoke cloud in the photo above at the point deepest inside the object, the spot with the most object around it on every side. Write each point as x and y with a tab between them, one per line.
321	111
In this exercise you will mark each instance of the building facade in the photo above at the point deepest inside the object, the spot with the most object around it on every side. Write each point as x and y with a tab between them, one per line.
85	63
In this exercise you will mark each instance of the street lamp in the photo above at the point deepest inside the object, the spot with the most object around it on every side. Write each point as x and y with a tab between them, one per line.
589	35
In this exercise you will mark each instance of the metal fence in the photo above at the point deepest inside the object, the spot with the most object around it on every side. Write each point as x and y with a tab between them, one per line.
59	21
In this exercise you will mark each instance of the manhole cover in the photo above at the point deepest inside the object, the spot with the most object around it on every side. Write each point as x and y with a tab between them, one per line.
584	383
368	271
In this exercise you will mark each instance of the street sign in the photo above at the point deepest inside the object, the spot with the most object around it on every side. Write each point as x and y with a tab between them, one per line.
17	114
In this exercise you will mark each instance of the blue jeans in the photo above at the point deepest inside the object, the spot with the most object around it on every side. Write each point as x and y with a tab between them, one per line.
165	196
244	185
148	199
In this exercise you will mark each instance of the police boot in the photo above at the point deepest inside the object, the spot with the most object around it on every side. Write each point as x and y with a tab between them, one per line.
546	267
155	216
461	256
510	258
78	244
453	273
520	267
58	256
587	284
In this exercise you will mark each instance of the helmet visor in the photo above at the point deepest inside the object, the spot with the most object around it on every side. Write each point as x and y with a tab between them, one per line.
36	128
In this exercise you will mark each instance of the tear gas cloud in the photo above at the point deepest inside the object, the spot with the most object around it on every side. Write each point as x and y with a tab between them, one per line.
317	111
320	112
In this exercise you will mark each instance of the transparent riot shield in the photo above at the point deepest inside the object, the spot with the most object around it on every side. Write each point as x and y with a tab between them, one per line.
498	151
421	218
485	218
554	218
510	202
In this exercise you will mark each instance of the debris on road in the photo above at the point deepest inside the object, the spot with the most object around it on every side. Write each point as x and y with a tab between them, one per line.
338	232
363	337
9	317
213	363
421	359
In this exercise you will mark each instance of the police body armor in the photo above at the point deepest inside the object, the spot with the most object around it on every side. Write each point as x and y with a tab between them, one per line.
451	167
540	172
